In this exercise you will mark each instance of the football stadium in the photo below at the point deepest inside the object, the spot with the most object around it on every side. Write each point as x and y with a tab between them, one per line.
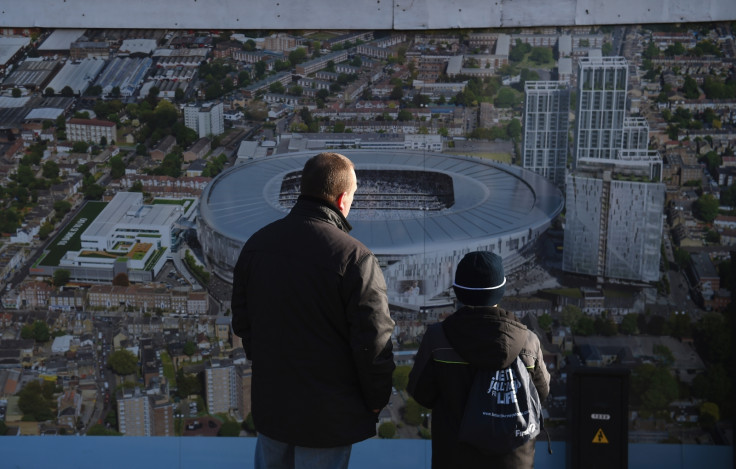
419	212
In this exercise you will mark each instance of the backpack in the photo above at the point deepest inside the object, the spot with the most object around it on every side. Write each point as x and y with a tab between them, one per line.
503	410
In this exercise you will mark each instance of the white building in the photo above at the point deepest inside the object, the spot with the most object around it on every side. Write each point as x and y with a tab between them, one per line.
546	111
90	130
220	386
206	120
599	121
615	196
127	236
134	413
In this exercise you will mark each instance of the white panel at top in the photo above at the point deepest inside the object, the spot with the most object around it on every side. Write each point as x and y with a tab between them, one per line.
653	11
444	14
354	14
198	14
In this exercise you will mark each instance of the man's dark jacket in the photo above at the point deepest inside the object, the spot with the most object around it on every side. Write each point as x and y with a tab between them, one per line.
310	303
474	337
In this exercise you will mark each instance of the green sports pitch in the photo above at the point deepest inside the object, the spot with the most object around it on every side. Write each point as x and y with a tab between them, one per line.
70	238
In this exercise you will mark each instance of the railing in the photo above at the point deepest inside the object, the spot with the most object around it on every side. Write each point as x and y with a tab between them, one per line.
82	452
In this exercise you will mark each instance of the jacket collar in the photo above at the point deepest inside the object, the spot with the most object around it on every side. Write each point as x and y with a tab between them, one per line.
314	207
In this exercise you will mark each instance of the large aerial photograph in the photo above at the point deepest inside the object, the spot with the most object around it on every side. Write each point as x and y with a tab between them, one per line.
597	163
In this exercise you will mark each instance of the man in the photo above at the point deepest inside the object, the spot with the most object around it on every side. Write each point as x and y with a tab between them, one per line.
479	335
310	303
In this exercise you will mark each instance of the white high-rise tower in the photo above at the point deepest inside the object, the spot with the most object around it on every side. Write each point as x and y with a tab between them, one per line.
546	111
614	196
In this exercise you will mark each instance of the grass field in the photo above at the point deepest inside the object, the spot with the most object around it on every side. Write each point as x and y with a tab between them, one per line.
69	239
169	201
501	157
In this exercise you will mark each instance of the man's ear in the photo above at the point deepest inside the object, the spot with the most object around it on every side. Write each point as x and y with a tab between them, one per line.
340	201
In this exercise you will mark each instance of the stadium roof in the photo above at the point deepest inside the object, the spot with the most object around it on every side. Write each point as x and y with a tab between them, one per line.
491	200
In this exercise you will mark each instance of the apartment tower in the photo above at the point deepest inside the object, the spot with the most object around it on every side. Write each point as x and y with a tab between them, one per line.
206	120
220	386
615	195
545	143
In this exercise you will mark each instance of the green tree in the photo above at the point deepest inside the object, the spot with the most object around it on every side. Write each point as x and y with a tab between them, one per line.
682	258
397	93
570	315
387	430
545	322
249	45
713	338
38	331
36	401
605	326
629	325
413	412
400	378
187	384
297	56
680	325
67	92
190	348
322	94
229	428
607	49
585	326
95	90
99	429
541	55
276	87
80	147
706	208
709	414
260	69
117	167
506	98
714	384
405	115
61	277
663	354
690	88
45	230
123	362
513	128
62	207
17	93
653	387
712	161
50	170
48	92
248	424
93	191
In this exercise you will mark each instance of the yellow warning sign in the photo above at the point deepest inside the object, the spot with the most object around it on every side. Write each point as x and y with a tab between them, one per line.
600	437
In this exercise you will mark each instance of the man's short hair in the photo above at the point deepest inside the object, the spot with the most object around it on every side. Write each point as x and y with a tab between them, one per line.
327	175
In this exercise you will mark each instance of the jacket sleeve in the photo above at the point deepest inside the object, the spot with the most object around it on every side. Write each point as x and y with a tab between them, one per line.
370	327
422	377
239	304
533	358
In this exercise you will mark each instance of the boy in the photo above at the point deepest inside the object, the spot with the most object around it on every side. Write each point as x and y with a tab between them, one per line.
479	335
